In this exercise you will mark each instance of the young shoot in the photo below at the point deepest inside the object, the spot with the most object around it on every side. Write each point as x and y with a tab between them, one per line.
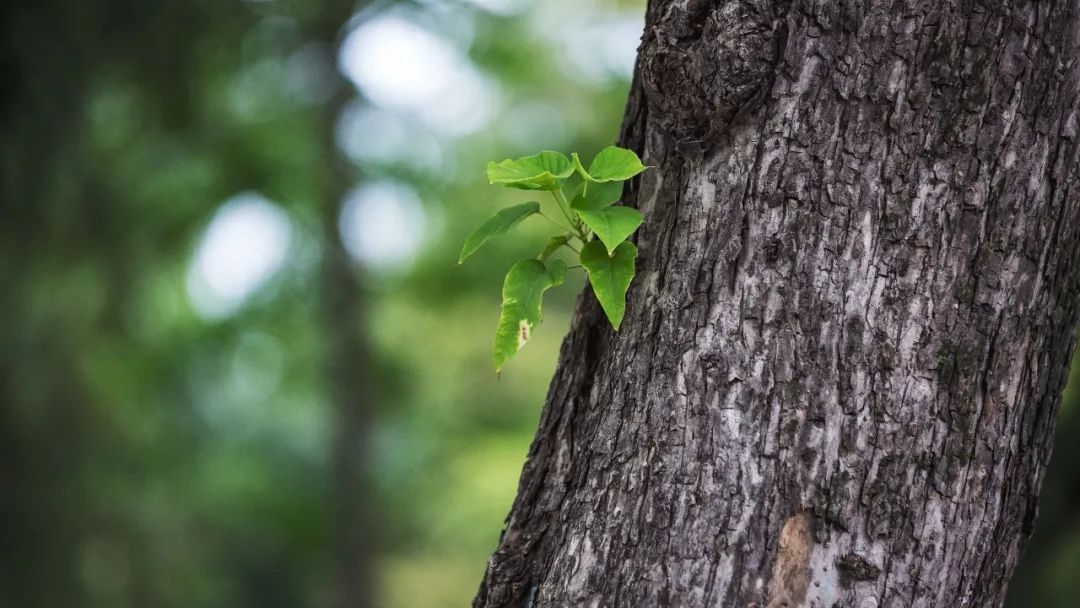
590	223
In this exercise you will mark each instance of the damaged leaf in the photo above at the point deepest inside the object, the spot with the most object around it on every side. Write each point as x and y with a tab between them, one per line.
523	291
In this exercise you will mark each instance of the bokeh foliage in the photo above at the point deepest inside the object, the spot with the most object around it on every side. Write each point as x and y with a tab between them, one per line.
153	453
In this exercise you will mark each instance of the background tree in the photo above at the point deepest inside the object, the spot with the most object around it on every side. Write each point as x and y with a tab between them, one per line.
159	450
838	376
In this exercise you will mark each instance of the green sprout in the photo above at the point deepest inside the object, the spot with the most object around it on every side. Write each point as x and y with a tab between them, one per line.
590	219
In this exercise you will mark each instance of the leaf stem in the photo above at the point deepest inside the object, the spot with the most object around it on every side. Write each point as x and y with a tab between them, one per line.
560	199
579	229
548	218
583	236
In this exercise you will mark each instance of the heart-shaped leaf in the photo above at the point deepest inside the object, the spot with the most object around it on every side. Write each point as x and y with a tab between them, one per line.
597	195
523	291
610	276
503	220
544	171
613	225
613	164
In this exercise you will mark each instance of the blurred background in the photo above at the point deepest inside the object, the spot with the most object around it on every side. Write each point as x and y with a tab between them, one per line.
239	365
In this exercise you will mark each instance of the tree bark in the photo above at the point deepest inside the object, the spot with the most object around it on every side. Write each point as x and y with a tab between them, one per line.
838	376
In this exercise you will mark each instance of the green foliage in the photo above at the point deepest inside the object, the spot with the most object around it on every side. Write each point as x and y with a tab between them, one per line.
610	276
592	221
596	196
611	164
613	225
554	244
523	290
503	220
544	171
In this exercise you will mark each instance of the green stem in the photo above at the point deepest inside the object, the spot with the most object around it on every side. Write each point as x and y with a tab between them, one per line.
548	218
564	206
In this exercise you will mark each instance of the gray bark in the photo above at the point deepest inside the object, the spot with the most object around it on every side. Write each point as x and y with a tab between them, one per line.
838	376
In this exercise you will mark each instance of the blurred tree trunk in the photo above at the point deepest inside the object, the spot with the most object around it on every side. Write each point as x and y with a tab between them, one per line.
837	380
352	396
348	374
351	391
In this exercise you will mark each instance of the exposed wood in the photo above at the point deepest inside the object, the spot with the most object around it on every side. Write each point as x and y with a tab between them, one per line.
838	375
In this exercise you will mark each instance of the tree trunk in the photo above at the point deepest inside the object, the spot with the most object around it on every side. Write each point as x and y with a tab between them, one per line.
843	354
351	385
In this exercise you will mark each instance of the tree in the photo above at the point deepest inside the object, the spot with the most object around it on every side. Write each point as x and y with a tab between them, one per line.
122	137
837	380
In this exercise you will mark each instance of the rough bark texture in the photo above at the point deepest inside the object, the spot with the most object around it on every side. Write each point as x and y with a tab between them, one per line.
837	379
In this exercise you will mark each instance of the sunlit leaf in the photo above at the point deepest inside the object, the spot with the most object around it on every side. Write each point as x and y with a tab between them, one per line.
503	220
544	171
613	224
523	290
614	164
610	276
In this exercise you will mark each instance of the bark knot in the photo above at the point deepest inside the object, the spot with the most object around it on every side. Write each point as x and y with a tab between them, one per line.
705	61
854	567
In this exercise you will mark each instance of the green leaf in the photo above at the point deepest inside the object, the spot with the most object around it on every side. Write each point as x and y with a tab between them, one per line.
523	290
580	168
596	196
614	164
503	220
612	224
610	276
544	171
552	245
